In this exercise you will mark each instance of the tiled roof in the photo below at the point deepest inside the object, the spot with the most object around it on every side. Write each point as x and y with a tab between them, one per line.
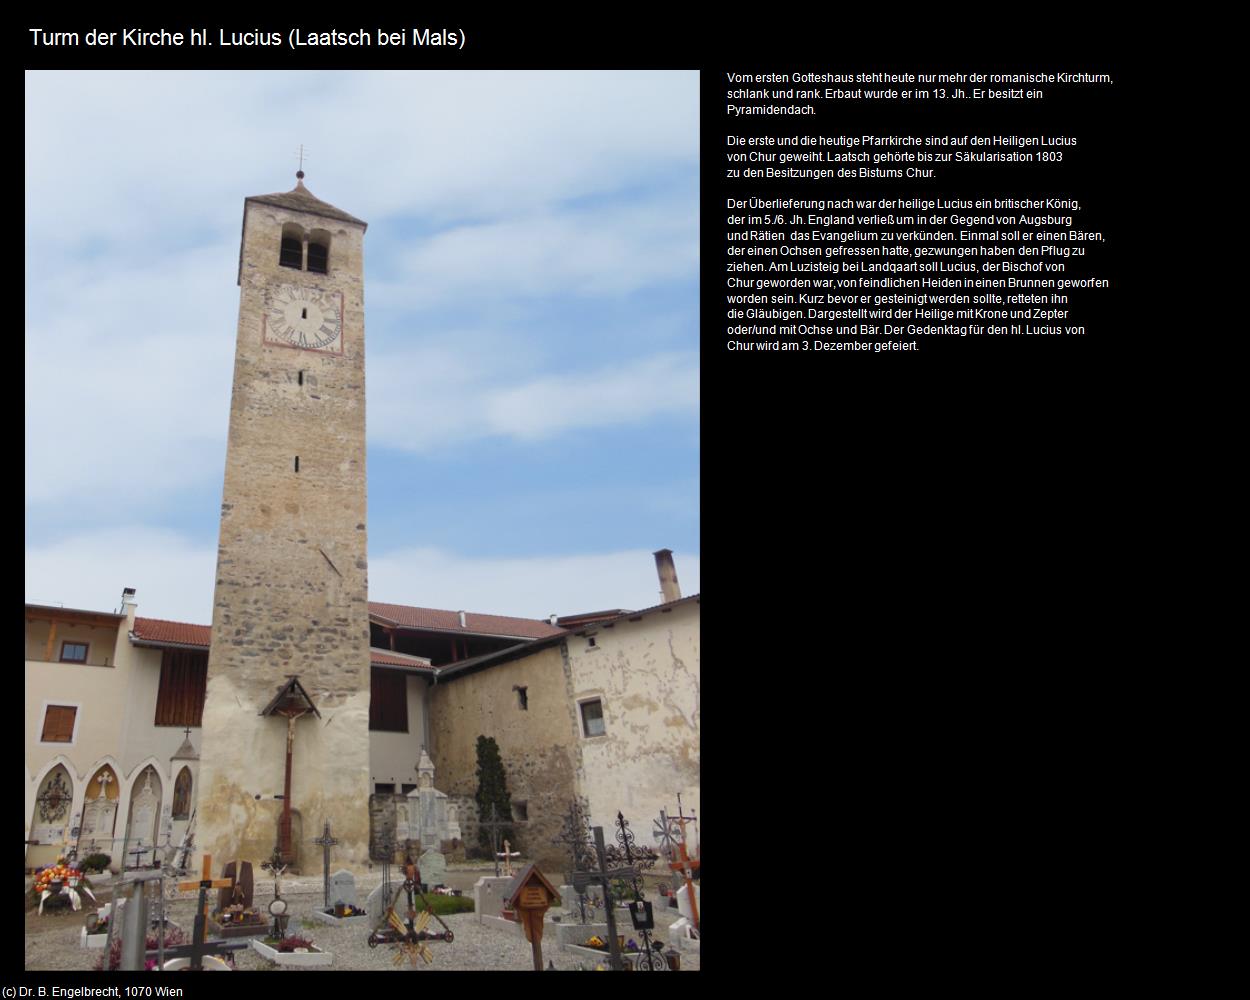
302	200
158	630
449	621
381	659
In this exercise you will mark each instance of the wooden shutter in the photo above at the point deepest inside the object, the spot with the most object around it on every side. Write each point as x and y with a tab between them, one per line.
184	676
388	701
58	723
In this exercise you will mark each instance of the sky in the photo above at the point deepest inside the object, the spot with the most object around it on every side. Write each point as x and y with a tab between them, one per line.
531	318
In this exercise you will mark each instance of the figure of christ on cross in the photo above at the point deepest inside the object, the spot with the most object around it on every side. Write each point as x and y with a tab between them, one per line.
284	827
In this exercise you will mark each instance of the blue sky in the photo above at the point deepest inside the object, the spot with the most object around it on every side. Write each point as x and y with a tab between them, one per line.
531	320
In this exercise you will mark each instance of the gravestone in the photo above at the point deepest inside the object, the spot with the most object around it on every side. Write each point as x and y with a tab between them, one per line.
342	888
143	812
241	890
433	868
403	829
489	894
376	904
97	825
683	901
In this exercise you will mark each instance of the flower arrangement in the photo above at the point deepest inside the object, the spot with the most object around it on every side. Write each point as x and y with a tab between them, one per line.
294	942
61	879
240	914
347	910
595	941
173	937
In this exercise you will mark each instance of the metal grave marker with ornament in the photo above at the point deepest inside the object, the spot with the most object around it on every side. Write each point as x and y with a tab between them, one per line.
604	875
411	934
530	896
649	958
277	906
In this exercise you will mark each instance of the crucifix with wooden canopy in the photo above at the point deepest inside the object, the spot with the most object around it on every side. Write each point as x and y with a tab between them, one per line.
291	702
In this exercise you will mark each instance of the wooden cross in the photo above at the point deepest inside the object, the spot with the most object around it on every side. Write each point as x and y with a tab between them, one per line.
604	876
199	948
284	826
507	856
679	861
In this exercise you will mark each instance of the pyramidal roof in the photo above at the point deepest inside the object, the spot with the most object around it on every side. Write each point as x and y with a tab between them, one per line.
302	200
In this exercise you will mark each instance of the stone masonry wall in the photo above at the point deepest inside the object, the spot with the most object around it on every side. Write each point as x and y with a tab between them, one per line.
291	587
534	744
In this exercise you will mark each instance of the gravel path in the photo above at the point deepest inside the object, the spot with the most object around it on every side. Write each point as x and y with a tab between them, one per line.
52	941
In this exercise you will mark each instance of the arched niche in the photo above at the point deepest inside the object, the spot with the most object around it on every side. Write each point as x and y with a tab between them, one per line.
49	825
182	795
99	813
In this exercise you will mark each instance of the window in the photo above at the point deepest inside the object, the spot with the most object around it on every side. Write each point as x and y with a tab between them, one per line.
383	789
318	258
180	697
388	701
520	811
522	697
73	652
292	254
405	789
590	643
592	718
58	724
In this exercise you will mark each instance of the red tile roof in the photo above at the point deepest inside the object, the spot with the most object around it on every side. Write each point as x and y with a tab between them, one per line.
381	659
449	621
158	630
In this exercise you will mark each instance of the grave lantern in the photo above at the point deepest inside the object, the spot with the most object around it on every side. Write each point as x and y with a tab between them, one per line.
530	895
640	914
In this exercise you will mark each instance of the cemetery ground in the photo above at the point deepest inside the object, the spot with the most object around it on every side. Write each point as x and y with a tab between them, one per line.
52	941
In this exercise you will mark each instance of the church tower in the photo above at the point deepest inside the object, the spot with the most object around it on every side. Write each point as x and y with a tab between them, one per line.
286	713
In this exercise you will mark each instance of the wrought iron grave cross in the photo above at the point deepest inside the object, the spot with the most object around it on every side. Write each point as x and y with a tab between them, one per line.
604	877
326	841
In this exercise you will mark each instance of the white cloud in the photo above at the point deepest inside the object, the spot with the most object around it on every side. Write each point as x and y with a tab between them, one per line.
609	251
529	587
172	575
466	397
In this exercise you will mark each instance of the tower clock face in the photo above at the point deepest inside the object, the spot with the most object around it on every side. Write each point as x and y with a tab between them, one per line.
306	318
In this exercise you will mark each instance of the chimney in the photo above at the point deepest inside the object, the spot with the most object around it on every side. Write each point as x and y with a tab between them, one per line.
129	604
668	575
462	624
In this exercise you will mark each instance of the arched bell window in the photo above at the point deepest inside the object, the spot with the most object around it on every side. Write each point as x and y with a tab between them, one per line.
292	252
319	251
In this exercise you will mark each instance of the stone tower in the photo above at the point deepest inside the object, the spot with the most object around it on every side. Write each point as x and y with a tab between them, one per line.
291	593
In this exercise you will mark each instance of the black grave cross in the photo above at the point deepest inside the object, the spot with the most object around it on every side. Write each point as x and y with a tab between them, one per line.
494	825
604	876
326	841
575	836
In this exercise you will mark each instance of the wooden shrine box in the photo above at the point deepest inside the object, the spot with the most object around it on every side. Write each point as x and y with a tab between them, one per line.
530	895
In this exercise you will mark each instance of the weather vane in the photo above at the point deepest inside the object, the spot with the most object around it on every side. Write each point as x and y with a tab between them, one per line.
301	155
